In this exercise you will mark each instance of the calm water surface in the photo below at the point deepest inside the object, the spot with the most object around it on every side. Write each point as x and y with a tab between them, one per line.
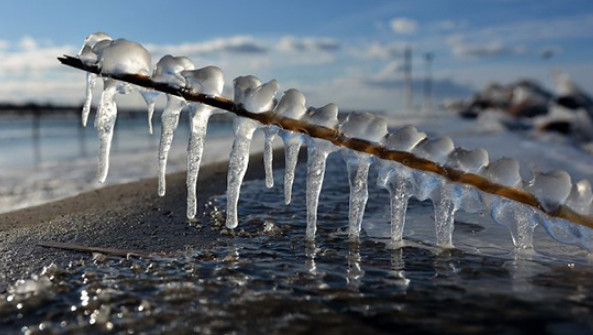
266	279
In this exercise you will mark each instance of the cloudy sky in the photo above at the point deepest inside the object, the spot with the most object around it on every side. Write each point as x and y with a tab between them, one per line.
348	52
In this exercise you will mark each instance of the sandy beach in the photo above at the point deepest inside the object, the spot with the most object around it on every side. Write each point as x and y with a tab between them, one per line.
127	216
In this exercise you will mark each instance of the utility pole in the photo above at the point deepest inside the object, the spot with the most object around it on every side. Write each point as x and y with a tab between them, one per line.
428	57
408	78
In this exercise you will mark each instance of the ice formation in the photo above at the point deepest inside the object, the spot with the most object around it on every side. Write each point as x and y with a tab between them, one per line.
552	190
168	70
87	56
292	106
256	98
207	80
317	152
397	179
115	57
364	126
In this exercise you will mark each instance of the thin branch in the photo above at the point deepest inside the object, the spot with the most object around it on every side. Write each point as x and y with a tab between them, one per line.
338	139
107	251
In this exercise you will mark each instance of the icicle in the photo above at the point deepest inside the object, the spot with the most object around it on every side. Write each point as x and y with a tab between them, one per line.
292	146
520	219
396	178
371	128
317	152
444	216
256	98
169	123
292	106
238	161
150	97
105	119
198	125
90	84
269	135
400	191
168	70
208	80
430	185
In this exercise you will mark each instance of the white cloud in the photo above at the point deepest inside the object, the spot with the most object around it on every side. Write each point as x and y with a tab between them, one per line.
27	43
324	44
4	44
448	25
460	47
401	25
231	45
31	60
381	51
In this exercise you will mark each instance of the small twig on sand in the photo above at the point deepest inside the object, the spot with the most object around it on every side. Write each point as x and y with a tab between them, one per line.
107	251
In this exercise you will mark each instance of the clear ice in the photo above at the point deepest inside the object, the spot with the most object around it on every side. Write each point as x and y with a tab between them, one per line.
256	98
317	152
87	56
168	70
269	136
397	178
292	106
432	186
119	56
150	97
208	80
364	126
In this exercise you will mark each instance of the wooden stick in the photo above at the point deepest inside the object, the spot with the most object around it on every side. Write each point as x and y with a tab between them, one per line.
107	251
337	138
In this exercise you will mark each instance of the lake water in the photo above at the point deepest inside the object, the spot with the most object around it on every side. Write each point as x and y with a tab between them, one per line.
267	279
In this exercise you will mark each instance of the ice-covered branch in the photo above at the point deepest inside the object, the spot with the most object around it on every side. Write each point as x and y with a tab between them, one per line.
407	159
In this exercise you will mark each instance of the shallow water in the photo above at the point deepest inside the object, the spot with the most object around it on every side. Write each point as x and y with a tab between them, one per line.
264	278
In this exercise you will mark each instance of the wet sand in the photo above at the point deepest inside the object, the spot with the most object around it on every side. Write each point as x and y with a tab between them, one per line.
127	216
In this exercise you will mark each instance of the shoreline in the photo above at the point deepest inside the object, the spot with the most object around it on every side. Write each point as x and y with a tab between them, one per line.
128	216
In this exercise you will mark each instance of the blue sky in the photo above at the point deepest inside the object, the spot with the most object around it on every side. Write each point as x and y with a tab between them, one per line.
348	52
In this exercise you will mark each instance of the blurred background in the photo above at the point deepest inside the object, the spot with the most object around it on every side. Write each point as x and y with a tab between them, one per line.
524	64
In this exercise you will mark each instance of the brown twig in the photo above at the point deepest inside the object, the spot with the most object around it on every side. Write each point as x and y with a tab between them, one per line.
107	251
337	138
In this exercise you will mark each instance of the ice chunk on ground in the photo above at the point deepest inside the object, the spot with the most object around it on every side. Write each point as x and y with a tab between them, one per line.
317	152
256	98
208	80
168	70
123	57
551	189
435	150
291	105
504	171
